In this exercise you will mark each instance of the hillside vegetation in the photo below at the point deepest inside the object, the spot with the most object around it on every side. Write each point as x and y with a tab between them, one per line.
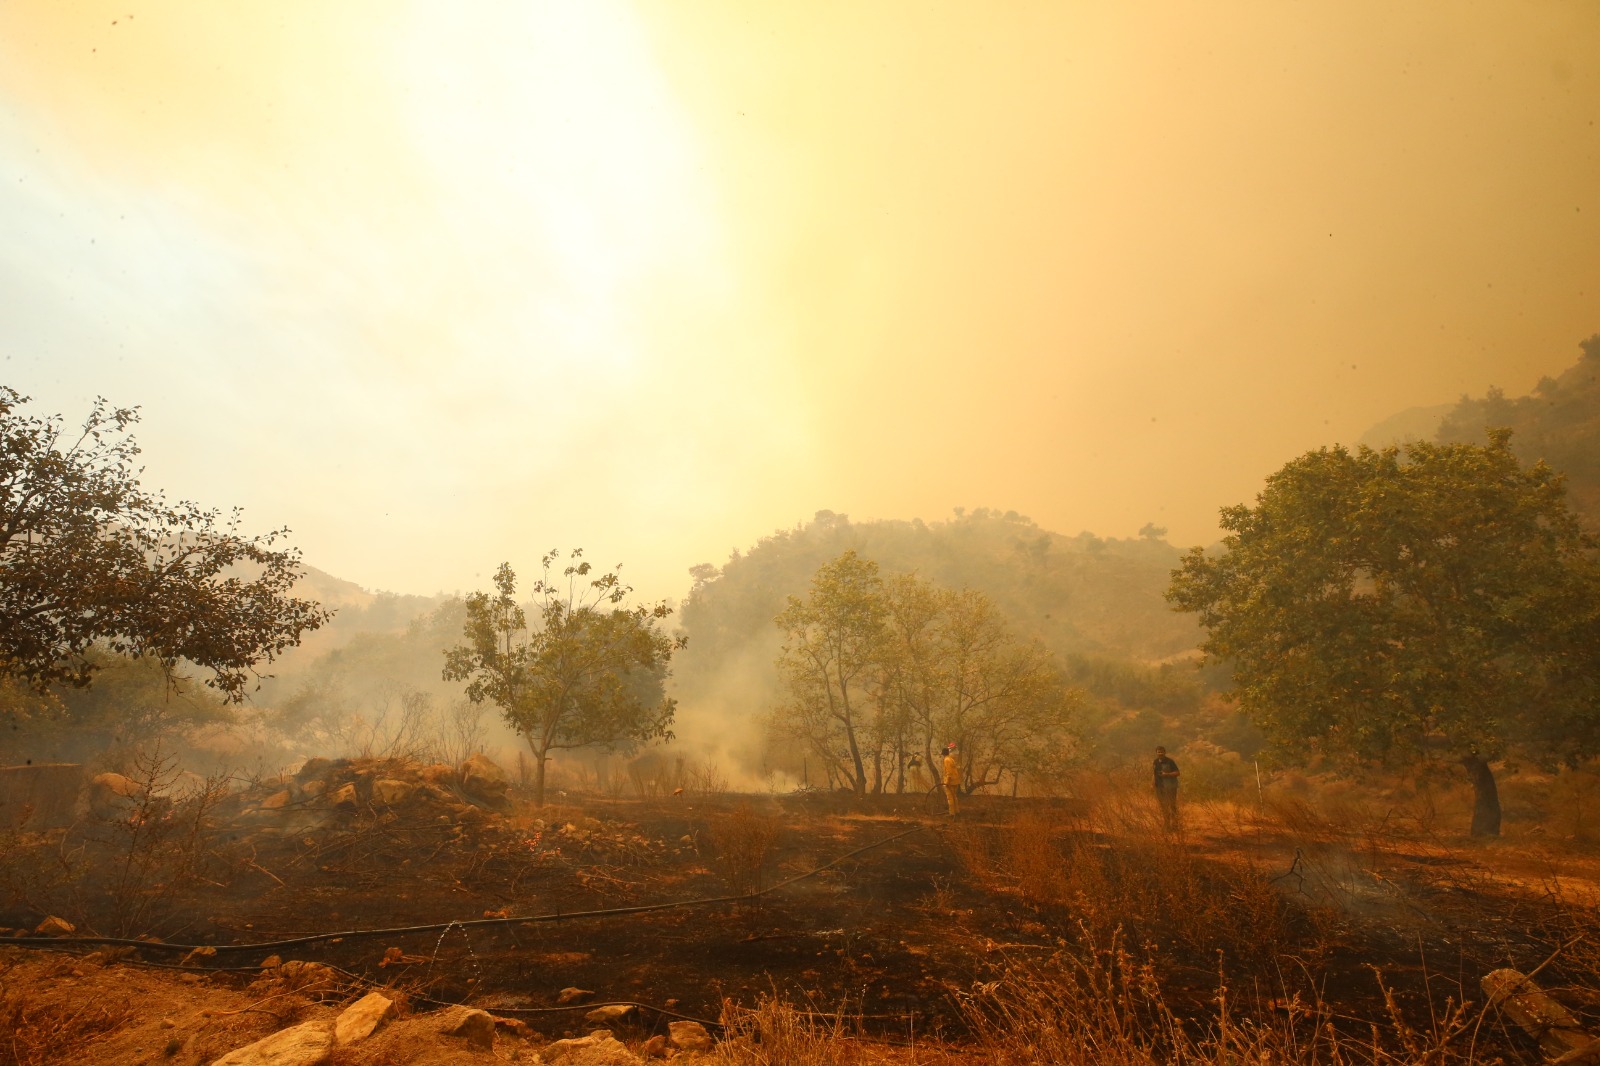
1096	604
1558	423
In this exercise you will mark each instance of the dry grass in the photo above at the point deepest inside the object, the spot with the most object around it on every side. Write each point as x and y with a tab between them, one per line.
742	840
33	1033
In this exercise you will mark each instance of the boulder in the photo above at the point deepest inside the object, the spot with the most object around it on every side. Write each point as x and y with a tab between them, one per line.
482	777
611	1012
654	1048
438	773
185	786
53	926
599	1048
300	1045
474	1026
572	995
346	798
276	802
109	795
391	792
313	788
690	1036
313	769
311	978
362	1018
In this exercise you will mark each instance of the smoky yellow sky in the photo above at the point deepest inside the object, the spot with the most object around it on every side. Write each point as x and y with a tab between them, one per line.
439	285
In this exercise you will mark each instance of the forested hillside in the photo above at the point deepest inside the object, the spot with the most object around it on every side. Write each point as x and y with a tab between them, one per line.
1559	423
1097	604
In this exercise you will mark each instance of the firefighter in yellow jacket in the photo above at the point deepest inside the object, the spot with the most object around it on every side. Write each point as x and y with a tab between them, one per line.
952	778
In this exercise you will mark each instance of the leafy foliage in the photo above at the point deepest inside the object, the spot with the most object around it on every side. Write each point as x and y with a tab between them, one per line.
590	674
89	557
877	673
1371	601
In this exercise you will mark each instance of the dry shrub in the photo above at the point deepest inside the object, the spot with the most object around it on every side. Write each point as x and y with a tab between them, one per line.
36	1033
1148	885
743	839
970	844
1033	859
1106	1006
1574	804
707	779
775	1033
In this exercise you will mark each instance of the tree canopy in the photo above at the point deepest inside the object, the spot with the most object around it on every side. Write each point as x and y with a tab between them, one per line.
880	671
1374	602
89	558
590	674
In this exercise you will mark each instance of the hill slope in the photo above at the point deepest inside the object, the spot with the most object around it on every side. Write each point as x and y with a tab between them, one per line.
1559	423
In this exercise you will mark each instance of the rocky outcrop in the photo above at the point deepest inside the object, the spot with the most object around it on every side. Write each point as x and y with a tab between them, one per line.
689	1036
599	1048
362	1018
300	1045
474	1026
482	779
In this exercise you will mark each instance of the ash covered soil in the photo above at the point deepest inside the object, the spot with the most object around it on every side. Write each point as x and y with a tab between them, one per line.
878	907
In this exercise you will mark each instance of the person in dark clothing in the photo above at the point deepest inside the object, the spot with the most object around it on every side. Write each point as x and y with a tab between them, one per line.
1486	797
1166	785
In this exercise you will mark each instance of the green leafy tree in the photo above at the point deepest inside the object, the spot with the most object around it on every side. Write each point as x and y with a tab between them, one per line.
589	674
1373	604
831	655
90	558
961	674
877	670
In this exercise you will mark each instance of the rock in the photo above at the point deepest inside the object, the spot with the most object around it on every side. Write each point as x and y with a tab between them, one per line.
276	802
308	977
438	774
388	792
194	957
572	995
313	769
654	1048
481	776
599	1048
271	962
345	798
108	795
690	1036
300	1045
185	785
314	788
474	1026
611	1012
362	1018
53	926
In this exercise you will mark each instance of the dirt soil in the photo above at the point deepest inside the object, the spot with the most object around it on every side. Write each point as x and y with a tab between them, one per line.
878	914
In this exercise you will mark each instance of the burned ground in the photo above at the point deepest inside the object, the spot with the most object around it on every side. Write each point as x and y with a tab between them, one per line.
876	908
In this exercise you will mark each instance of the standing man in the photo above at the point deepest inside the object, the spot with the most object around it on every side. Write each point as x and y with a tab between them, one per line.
1166	784
952	778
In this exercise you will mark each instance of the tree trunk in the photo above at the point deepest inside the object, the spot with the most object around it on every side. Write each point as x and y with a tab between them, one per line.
538	774
1485	797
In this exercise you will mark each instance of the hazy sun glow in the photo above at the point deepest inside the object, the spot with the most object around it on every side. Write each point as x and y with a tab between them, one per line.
439	285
